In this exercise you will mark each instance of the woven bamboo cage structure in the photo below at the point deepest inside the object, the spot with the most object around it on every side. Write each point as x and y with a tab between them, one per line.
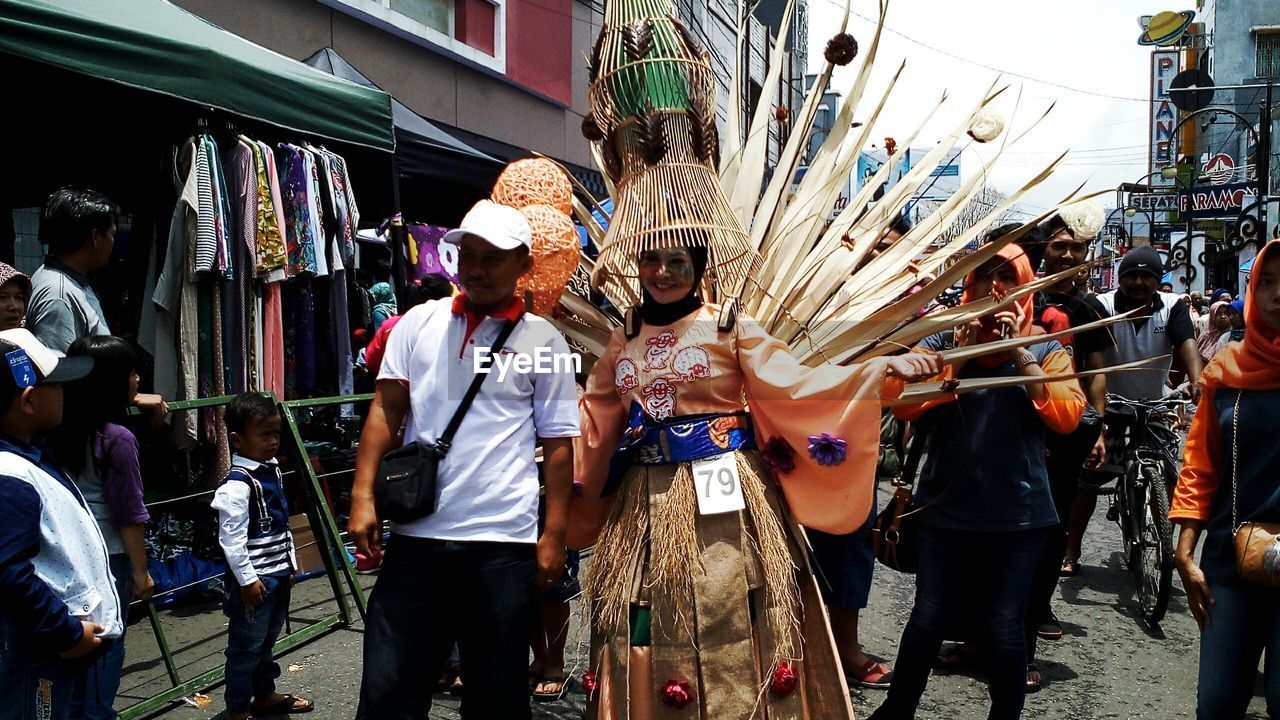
652	109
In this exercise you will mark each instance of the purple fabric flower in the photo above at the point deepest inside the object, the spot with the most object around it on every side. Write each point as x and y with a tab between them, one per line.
827	449
779	454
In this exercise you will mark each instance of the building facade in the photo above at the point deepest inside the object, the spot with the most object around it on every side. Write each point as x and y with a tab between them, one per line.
506	76
1242	48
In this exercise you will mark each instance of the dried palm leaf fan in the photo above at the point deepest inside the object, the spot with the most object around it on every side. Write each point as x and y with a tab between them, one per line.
807	279
652	108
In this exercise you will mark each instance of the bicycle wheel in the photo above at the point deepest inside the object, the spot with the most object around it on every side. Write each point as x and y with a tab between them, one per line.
1154	571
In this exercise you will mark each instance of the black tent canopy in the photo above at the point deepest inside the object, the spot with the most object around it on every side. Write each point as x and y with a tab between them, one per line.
440	175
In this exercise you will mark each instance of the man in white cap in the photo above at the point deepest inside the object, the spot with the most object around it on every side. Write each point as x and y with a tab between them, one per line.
467	571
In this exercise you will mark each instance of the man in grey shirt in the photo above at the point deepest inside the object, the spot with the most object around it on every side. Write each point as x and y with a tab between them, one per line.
79	227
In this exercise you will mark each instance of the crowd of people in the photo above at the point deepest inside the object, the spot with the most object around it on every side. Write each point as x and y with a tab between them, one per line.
685	387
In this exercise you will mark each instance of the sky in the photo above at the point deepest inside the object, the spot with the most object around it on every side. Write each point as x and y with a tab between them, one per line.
1088	45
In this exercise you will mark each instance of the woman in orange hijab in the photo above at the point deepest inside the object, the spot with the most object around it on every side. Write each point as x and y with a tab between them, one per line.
986	510
1241	392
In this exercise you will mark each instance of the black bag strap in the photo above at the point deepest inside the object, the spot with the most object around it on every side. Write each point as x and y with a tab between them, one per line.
446	439
921	437
914	452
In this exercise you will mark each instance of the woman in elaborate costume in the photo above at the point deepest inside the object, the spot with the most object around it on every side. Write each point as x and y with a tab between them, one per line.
705	443
702	601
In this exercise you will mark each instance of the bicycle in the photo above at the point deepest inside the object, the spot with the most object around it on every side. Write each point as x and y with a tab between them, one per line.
1141	436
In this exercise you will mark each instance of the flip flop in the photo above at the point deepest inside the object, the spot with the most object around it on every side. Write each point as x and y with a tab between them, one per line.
1038	682
873	675
547	696
286	706
1070	568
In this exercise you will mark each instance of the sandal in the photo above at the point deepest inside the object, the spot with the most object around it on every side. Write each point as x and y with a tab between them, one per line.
873	675
1070	568
560	683
455	688
1035	680
286	705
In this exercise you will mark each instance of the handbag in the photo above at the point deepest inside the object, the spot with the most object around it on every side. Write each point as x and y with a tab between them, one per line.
404	488
1257	543
893	536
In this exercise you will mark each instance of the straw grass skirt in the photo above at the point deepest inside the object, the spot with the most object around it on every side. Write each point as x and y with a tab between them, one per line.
718	613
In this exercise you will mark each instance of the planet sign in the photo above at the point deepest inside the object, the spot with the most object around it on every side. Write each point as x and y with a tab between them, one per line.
1220	168
1165	28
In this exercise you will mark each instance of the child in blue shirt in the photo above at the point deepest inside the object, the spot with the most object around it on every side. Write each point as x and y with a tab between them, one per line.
253	529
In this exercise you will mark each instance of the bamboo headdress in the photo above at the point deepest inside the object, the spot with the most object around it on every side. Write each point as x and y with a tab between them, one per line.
653	109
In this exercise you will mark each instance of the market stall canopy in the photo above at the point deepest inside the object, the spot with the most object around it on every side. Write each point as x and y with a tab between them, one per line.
157	46
423	150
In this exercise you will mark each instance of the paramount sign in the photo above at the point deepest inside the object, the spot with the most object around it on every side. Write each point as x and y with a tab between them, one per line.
1217	200
1200	202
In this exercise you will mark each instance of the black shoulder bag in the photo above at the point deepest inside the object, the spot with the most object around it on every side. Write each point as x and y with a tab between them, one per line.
404	489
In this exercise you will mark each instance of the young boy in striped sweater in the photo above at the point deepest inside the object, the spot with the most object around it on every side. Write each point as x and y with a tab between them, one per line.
253	529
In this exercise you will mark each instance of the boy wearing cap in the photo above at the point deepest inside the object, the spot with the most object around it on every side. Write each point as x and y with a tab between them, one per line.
58	603
467	571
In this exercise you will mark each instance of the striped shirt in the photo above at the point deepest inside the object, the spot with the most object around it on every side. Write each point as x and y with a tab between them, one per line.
253	521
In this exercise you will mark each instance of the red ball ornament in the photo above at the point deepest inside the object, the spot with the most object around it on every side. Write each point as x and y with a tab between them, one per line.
590	682
784	680
676	694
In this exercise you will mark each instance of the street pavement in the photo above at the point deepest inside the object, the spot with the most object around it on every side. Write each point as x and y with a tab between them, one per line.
1109	664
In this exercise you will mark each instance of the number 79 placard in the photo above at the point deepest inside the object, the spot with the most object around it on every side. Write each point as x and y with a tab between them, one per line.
717	484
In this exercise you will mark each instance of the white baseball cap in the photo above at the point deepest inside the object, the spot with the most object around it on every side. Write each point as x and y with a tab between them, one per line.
501	226
31	362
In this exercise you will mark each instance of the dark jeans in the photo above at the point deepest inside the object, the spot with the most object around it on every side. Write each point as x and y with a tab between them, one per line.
251	635
994	569
35	685
1245	623
1066	458
431	593
96	693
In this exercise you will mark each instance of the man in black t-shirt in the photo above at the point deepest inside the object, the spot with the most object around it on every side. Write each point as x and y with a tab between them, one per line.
1064	244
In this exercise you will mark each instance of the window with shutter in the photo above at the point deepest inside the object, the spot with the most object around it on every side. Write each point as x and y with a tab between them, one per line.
1268	64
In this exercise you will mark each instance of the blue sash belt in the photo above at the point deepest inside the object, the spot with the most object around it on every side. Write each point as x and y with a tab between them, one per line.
683	439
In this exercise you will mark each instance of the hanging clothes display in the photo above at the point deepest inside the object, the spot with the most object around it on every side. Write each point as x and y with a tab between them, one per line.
256	262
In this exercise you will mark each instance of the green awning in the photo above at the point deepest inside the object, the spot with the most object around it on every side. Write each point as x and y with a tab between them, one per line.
157	46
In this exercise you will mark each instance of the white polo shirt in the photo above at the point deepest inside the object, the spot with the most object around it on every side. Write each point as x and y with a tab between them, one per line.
488	483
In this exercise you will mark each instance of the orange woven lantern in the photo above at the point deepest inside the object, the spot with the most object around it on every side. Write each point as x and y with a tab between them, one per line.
535	181
555	256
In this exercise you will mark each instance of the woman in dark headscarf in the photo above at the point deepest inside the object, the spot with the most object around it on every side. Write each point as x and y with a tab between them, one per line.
700	590
1230	475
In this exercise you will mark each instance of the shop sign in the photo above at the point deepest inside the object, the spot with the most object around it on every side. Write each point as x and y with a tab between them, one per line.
1154	201
1164	67
1217	200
